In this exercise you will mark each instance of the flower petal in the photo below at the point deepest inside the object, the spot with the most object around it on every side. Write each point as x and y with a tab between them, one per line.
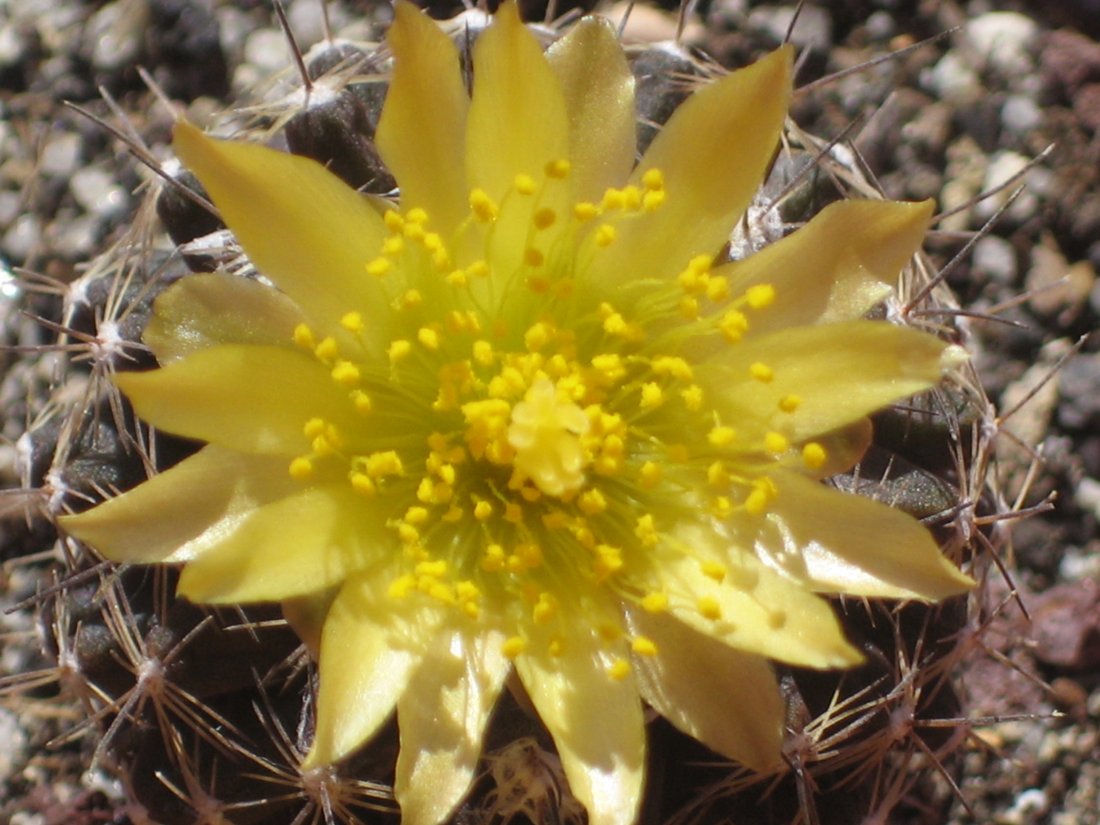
300	544
301	225
442	718
176	515
599	101
713	153
841	372
202	311
752	607
727	699
370	646
596	722
841	543
517	120
423	145
253	399
836	267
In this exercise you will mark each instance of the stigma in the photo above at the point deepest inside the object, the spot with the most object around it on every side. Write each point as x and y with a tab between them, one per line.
546	432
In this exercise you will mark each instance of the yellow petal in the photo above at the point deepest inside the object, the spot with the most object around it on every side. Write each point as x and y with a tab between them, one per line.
253	399
758	610
599	102
178	514
306	617
849	544
841	372
517	120
422	130
727	699
596	723
302	226
442	718
836	267
300	544
202	311
713	153
370	646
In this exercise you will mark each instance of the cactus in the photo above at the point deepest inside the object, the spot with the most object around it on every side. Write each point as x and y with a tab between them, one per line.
205	714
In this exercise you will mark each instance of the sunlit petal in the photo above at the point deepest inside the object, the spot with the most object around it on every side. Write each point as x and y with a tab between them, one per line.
176	515
697	682
848	544
599	101
424	146
203	311
442	719
253	399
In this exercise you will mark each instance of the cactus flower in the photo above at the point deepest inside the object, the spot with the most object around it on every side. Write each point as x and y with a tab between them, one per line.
526	424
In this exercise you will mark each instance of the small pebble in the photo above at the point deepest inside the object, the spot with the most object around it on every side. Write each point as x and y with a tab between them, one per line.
995	258
1004	40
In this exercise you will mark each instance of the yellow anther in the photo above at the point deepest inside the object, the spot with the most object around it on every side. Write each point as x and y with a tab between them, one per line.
814	455
313	428
414	231
327	350
761	372
610	365
646	531
379	267
718	475
650	475
525	184
632	198
763	491
428	338
482	206
483	510
592	502
760	296
382	464
653	180
709	608
301	468
776	442
478	269
689	308
721	435
652	395
790	403
437	568
605	235
532	257
398	350
417	215
655	602
362	484
693	397
652	201
537	336
303	336
447	474
671	365
733	325
352	322
644	646
433	242
585	211
718	288
615	324
619	670
393	220
411	298
345	373
457	278
407	533
513	647
483	353
416	515
402	586
612	199
493	560
721	507
558	169
713	570
544	218
609	560
393	246
545	608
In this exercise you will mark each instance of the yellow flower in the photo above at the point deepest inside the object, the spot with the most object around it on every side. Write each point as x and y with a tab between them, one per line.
526	423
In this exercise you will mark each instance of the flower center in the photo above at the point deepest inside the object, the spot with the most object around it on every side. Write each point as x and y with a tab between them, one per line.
534	442
546	435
